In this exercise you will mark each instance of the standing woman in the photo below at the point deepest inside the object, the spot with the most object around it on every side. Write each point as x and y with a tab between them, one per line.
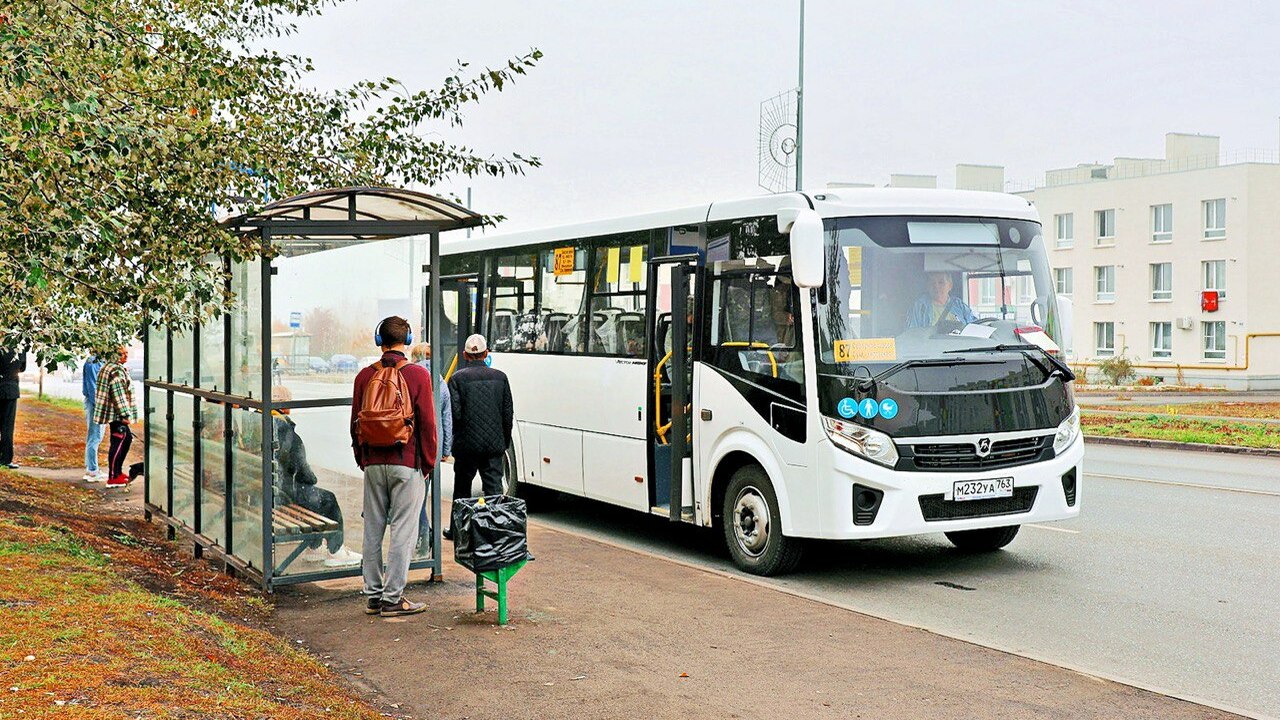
113	405
12	363
93	430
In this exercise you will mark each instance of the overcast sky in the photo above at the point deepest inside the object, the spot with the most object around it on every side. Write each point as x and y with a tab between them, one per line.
640	106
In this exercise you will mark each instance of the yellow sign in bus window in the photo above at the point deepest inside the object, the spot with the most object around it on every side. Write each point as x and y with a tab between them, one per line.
614	259
636	264
564	261
866	350
854	255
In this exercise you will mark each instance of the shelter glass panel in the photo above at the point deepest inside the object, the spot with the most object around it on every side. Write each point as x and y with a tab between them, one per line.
213	471
323	317
246	486
184	357
319	493
246	330
157	354
184	449
157	456
212	359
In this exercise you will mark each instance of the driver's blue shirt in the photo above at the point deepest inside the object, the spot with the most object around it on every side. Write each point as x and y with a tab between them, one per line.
922	312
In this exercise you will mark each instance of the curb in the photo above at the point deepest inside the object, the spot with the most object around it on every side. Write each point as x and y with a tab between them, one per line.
1174	445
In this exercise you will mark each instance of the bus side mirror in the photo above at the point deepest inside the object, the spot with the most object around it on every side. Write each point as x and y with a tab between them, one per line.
807	250
1066	317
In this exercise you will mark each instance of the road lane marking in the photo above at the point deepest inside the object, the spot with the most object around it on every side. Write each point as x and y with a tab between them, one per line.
1247	491
1055	529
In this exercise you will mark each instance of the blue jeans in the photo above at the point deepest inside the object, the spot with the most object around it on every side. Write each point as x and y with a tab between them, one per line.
92	438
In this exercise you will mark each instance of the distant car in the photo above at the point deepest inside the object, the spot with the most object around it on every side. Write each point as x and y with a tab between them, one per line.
344	363
317	365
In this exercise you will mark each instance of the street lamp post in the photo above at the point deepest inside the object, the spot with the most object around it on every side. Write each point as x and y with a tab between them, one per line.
800	110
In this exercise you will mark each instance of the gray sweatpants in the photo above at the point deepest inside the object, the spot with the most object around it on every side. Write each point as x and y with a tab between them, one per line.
393	497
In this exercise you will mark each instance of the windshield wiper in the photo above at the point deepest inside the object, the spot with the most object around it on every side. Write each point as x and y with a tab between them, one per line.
866	384
1059	367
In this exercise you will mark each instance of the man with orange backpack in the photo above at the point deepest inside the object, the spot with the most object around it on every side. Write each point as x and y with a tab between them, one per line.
393	434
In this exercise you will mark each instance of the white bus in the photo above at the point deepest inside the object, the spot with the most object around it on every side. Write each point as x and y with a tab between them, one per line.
857	363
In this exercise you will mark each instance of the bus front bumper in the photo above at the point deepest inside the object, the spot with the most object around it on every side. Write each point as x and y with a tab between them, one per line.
914	503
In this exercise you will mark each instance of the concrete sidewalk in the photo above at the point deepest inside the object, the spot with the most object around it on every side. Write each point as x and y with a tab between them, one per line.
600	632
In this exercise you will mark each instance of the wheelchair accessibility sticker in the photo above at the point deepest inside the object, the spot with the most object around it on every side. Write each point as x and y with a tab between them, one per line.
847	408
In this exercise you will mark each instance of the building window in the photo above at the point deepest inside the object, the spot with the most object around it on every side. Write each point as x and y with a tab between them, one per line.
1063	282
1104	278
1214	273
1215	339
1162	223
1104	222
1215	219
1104	339
987	291
1066	225
1162	281
1161	340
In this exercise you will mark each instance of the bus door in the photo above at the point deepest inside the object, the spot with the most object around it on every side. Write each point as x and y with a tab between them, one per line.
460	305
671	297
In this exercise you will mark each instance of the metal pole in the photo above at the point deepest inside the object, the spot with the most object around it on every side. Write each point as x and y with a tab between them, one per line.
433	332
468	207
268	449
800	110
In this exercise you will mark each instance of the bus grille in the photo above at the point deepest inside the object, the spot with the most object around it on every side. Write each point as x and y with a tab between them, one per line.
964	456
934	507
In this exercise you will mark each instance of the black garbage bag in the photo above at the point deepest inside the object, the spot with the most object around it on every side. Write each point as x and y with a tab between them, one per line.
491	535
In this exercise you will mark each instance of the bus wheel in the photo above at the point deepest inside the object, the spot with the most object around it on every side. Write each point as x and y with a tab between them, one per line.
984	540
753	528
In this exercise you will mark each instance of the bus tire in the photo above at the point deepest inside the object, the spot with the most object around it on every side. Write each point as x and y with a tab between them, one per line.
753	527
984	539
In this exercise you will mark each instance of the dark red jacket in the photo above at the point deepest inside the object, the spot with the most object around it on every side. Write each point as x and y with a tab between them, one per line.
420	454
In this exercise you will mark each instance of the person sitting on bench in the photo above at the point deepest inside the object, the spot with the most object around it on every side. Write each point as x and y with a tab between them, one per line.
298	482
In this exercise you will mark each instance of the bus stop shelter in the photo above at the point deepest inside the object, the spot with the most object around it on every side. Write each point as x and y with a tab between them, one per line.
247	439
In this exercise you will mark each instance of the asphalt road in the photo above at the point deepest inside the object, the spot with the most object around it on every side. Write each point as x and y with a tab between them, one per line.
1169	579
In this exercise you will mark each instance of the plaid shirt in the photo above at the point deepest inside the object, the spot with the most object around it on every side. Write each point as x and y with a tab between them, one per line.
113	399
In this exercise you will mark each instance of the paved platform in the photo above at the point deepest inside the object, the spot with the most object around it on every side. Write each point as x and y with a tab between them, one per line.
602	631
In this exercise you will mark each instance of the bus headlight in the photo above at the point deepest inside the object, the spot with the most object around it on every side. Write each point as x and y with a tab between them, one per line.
1067	432
865	442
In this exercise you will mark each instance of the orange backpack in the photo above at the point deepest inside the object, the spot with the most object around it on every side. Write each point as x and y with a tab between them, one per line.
386	410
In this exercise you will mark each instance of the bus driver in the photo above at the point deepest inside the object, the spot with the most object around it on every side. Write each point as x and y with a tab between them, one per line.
937	303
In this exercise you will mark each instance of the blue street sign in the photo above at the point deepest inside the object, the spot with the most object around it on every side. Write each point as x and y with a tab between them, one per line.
868	408
295	319
888	408
847	408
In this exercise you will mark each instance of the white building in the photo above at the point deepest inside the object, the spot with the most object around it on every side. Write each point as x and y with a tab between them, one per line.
1139	243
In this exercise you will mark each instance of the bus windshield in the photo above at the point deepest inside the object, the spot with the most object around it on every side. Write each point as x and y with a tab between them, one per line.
905	288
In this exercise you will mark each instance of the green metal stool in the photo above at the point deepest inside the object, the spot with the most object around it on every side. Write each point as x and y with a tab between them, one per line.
500	578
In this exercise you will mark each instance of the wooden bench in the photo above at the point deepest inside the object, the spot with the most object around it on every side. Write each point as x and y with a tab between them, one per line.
294	523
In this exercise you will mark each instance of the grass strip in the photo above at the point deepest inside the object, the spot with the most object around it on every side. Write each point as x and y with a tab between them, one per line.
1186	430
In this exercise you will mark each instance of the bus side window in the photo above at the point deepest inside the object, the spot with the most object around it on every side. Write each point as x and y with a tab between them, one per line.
562	294
513	318
618	300
754	329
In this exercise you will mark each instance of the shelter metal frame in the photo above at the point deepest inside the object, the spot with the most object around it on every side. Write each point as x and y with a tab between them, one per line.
310	222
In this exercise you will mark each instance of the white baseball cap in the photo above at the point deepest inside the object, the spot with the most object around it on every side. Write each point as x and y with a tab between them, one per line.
476	344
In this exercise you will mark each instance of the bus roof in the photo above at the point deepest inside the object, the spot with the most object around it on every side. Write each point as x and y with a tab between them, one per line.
836	202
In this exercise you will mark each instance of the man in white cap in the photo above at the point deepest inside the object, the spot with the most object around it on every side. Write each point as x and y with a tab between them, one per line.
482	419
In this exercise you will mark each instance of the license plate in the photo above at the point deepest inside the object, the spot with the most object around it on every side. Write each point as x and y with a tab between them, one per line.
982	489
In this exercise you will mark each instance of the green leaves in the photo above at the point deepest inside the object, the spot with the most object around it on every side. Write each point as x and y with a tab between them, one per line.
122	124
